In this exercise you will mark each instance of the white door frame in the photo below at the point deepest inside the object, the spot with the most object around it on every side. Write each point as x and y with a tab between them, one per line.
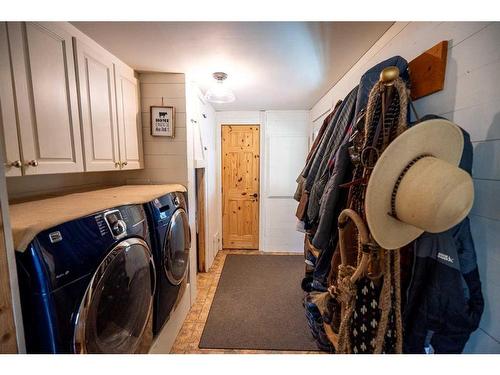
243	118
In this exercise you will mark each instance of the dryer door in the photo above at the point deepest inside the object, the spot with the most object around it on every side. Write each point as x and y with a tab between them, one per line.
176	247
117	304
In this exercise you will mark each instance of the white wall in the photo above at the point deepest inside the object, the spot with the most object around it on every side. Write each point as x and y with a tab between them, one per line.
165	159
286	145
284	137
204	150
471	98
208	128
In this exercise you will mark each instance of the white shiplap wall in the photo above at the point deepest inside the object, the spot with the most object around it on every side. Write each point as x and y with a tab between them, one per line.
165	159
286	145
471	98
26	187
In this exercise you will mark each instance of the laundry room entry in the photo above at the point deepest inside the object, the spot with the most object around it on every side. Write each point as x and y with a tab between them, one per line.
240	186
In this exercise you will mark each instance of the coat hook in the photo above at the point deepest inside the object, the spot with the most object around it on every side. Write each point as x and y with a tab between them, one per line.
389	75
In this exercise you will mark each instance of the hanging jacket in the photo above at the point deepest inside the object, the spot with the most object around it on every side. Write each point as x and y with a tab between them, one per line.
333	158
444	300
321	131
343	121
334	198
312	165
298	196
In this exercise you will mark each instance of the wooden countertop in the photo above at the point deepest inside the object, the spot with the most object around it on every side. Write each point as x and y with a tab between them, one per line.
30	218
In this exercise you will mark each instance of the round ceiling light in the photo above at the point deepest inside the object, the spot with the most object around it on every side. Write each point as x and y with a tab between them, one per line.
219	93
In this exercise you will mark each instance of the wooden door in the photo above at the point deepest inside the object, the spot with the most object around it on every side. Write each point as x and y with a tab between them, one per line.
46	98
8	122
97	102
129	122
240	186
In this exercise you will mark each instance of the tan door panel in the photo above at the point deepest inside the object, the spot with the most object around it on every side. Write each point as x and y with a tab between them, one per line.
240	186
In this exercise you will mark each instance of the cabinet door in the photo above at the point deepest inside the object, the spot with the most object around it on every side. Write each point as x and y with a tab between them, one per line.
129	120
8	110
45	86
97	104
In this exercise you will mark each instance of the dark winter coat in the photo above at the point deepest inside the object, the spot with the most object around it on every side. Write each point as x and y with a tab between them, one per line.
444	299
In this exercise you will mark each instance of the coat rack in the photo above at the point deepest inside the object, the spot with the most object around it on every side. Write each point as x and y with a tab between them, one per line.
428	70
427	74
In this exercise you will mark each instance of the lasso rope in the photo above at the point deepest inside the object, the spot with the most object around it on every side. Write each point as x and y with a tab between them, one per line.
397	302
346	293
393	123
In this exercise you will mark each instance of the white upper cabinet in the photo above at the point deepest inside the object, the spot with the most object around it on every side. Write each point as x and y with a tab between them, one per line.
46	97
66	104
96	83
12	157
129	120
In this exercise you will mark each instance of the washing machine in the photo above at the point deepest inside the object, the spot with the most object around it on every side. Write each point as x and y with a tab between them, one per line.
171	241
87	286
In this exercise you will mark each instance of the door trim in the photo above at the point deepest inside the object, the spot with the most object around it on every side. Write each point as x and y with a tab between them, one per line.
235	119
261	124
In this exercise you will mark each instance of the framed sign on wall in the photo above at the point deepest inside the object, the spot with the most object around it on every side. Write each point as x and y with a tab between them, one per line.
162	121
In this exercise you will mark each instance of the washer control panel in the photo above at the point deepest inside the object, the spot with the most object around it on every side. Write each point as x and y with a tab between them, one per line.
116	224
176	201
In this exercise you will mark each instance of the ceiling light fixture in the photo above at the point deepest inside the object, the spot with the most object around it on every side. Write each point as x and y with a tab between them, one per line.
219	93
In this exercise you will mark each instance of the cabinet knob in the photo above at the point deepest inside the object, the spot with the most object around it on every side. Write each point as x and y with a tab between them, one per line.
32	163
117	164
15	164
124	163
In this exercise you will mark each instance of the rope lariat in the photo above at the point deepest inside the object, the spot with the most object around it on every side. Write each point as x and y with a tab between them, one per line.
386	118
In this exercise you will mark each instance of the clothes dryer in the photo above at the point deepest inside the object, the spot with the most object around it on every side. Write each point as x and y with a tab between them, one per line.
87	285
171	242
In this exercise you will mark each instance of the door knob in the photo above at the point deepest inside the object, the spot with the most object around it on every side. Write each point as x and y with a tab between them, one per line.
15	164
32	163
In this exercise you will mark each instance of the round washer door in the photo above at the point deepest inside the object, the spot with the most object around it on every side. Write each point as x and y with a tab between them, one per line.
176	247
116	307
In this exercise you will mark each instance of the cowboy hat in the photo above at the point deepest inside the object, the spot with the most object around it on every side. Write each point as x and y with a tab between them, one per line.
416	185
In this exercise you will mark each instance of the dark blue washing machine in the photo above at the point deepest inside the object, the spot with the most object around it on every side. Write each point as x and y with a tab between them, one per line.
171	241
87	285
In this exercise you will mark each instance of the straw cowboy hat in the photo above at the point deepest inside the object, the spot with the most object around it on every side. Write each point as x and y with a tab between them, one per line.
416	185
